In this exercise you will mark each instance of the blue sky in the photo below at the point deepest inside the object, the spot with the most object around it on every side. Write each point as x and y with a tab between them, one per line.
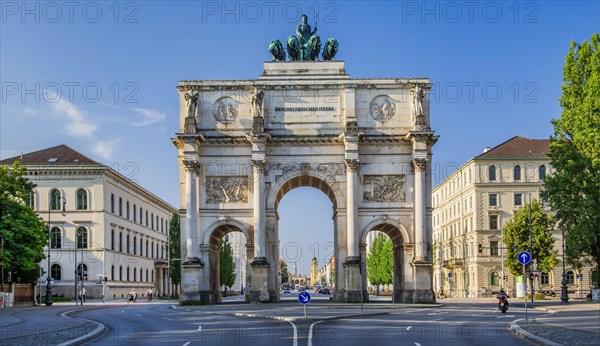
101	76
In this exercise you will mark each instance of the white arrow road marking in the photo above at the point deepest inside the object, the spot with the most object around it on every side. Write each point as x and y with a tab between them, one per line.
310	332
295	343
168	319
408	328
504	316
187	343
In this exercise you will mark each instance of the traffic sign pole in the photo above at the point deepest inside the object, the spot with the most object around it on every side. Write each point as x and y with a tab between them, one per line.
525	279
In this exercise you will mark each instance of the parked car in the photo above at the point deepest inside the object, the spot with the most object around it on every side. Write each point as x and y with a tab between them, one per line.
324	291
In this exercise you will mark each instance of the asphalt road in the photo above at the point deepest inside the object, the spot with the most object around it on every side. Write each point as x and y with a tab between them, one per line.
453	324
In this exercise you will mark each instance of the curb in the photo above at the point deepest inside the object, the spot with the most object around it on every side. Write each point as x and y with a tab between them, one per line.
89	336
547	310
520	332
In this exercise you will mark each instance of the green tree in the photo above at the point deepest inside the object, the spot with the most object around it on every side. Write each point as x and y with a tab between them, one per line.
283	269
226	265
22	230
574	187
380	262
516	238
175	249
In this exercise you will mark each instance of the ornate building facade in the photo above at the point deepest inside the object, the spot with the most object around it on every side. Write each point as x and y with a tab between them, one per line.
471	207
111	227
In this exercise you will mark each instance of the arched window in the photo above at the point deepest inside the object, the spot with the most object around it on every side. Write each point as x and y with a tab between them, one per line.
56	271
492	173
55	199
55	238
134	213
495	278
82	199
31	200
112	272
517	173
82	238
127	210
112	203
542	172
570	278
120	206
120	273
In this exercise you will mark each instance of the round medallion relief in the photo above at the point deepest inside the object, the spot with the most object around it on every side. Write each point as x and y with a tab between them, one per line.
225	110
383	108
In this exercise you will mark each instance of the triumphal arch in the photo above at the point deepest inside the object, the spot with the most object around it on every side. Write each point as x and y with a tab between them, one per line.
366	143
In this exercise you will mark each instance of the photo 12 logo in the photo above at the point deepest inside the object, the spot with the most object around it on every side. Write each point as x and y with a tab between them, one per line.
268	11
70	91
70	12
469	12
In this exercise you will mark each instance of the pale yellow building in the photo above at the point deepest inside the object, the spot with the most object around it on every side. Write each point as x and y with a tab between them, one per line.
472	206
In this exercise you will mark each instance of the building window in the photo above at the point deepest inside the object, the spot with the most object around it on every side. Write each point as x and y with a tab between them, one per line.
112	239
127	246
152	248
162	225
55	238
55	199
518	199
146	249
120	273
56	271
542	172
493	199
127	209
517	173
31	200
570	277
152	273
134	274
146	218
152	220
492	173
157	253
120	206
157	223
141	216
495	278
493	248
147	279
112	203
127	274
112	272
141	247
120	241
82	238
134	213
545	278
82	271
135	246
82	199
493	221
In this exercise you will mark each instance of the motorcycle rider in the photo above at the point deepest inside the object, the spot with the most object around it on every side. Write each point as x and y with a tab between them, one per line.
502	295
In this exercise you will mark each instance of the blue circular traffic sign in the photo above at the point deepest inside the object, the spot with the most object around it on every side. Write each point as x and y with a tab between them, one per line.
524	257
304	298
449	275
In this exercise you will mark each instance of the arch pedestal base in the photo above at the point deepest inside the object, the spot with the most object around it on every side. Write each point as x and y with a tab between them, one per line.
258	291
191	278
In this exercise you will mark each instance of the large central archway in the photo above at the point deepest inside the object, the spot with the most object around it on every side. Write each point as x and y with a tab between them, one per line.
365	143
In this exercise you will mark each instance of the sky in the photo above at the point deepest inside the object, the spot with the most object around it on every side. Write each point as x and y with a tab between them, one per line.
101	77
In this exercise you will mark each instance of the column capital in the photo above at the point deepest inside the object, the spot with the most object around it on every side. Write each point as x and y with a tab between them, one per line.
259	165
352	165
419	165
192	166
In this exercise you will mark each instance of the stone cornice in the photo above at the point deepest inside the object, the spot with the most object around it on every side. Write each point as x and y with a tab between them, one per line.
336	82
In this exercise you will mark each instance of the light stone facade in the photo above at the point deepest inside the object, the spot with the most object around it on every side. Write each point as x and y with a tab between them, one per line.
130	252
366	143
467	223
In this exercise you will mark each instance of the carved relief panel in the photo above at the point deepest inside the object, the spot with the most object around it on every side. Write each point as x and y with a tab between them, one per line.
226	189
384	188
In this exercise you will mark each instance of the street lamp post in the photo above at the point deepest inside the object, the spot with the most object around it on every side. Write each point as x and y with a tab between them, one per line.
564	295
76	271
48	274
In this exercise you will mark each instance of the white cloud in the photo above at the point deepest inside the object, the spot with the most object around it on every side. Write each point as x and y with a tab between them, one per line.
149	117
105	149
29	111
78	126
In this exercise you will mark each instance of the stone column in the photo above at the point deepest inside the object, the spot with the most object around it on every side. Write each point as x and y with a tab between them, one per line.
420	167
351	205
259	208
191	218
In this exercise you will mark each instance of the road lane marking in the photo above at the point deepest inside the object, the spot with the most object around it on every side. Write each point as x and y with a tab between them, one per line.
310	332
168	319
417	344
187	343
200	328
295	343
503	316
408	328
437	319
137	315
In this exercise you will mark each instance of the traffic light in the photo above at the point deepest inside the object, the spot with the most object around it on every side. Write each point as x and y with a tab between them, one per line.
505	277
480	248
